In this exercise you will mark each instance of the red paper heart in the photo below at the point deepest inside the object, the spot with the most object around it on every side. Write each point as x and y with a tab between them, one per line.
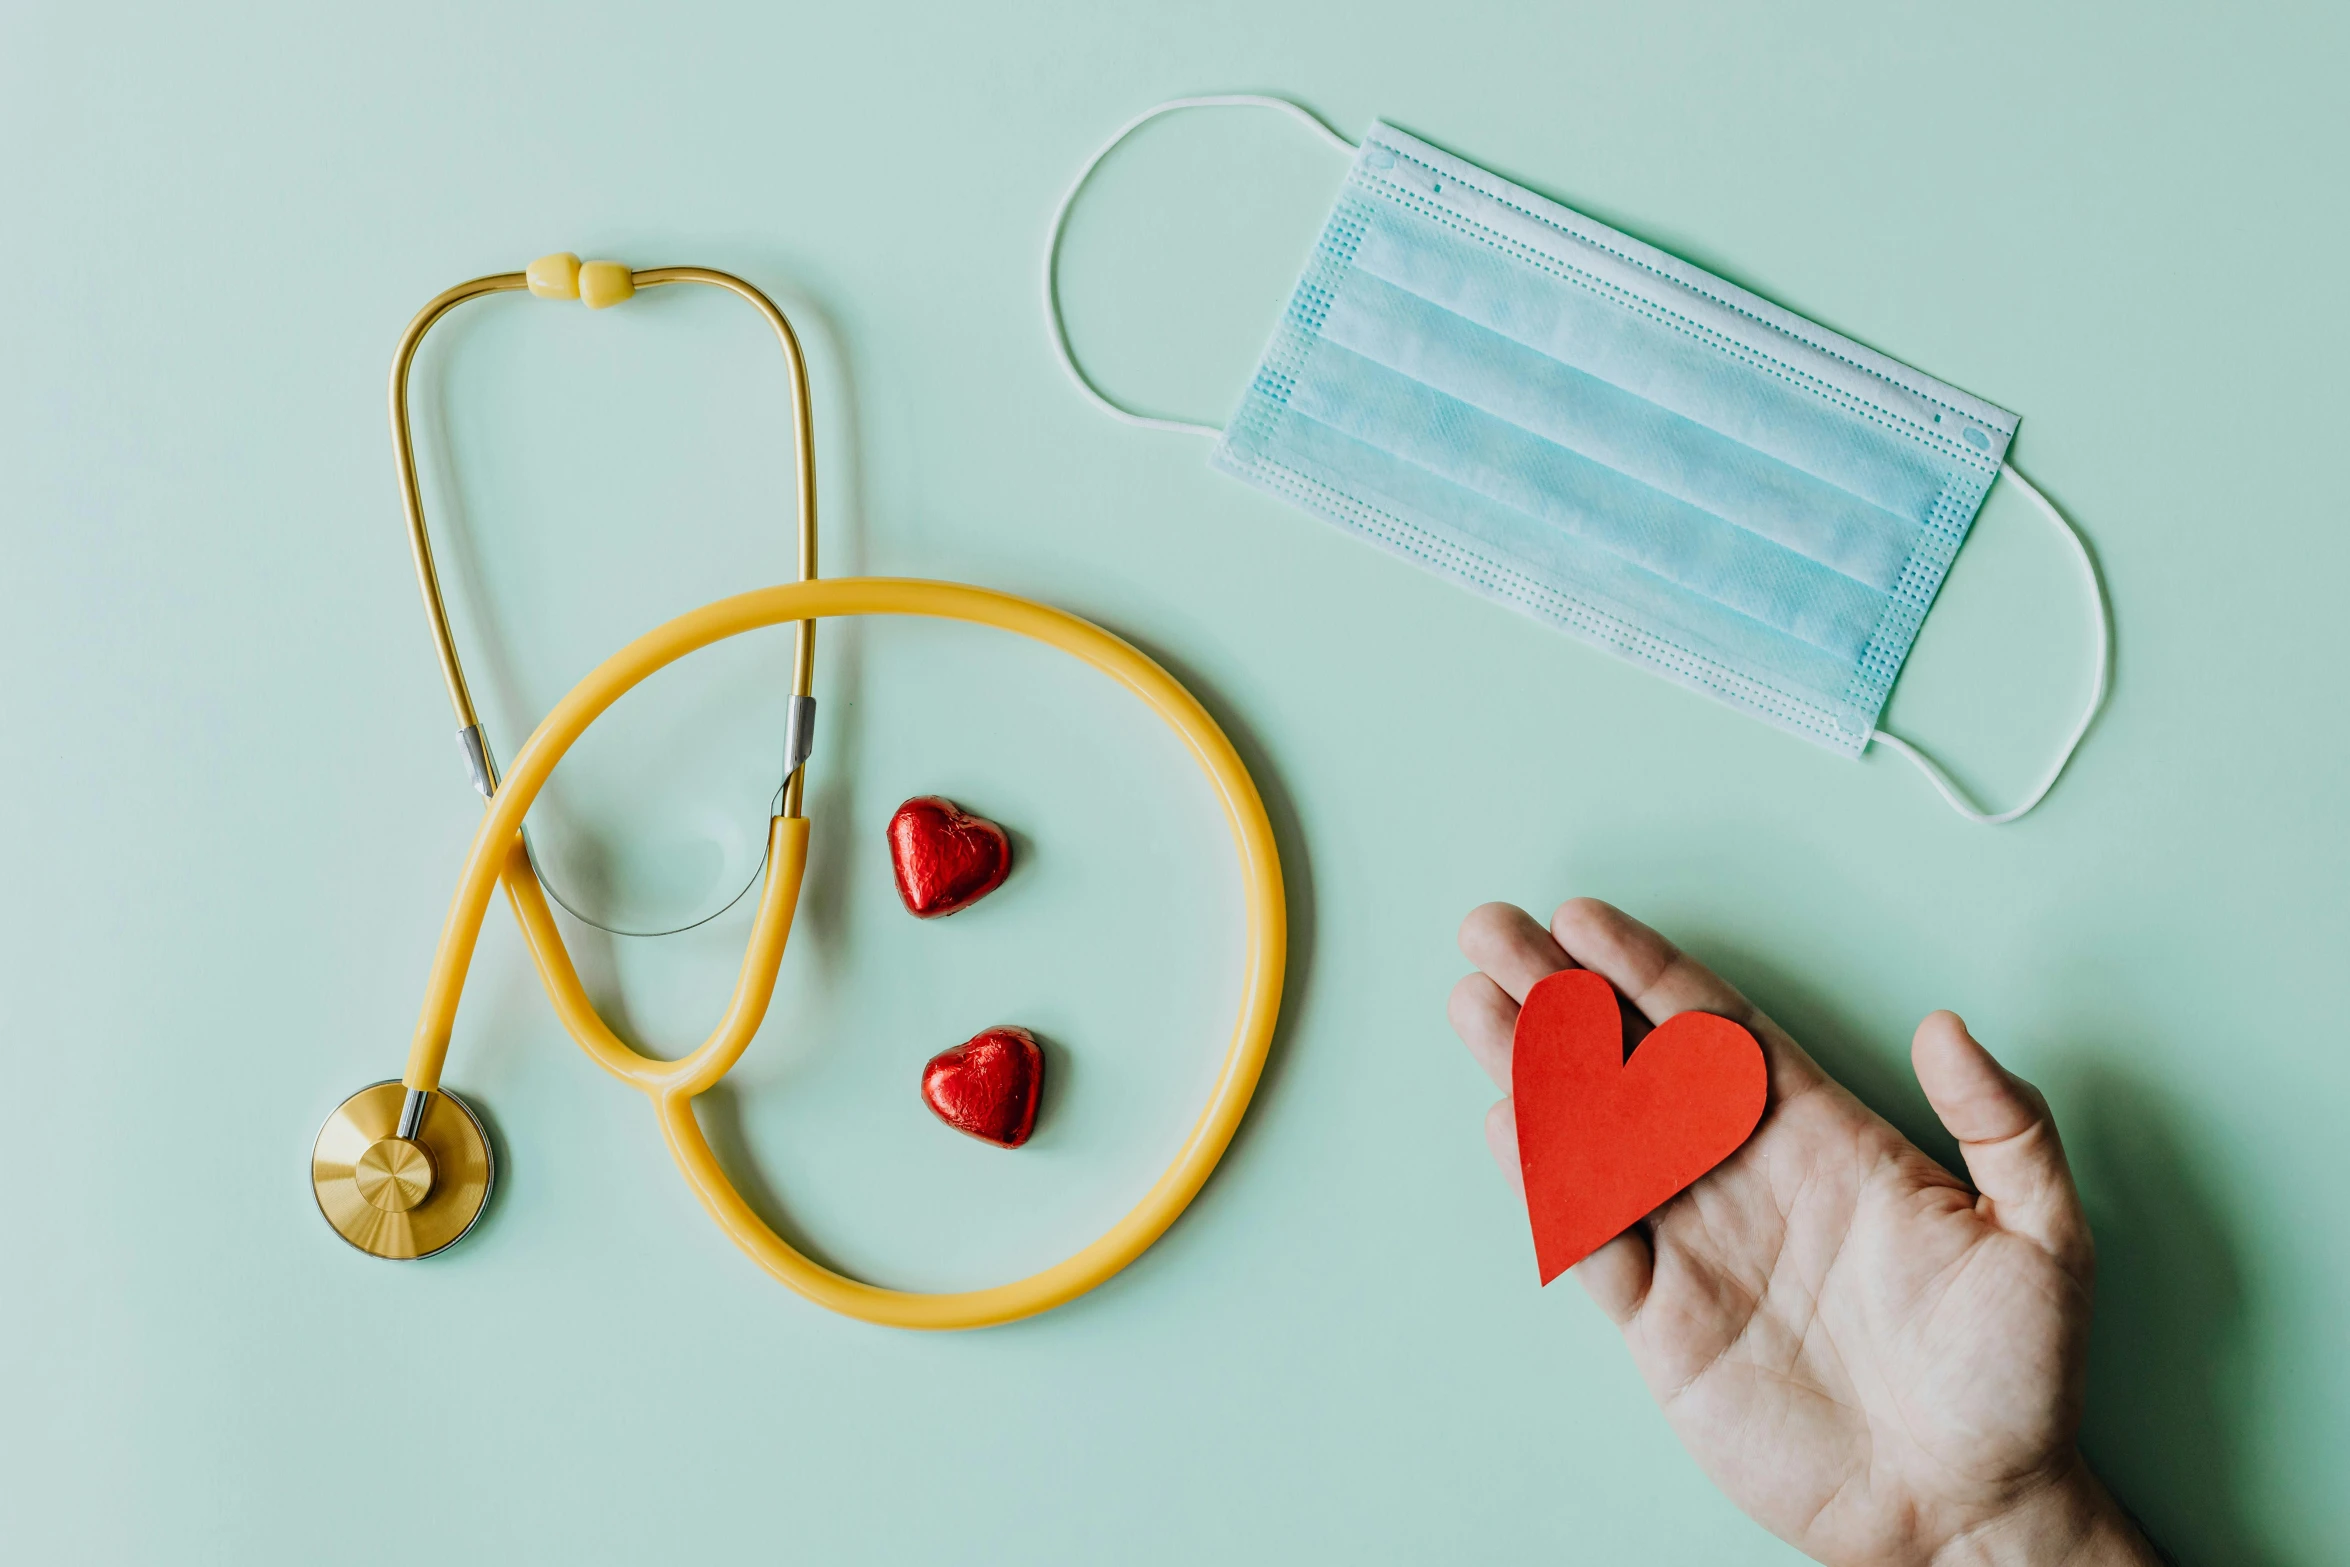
988	1086
945	858
1604	1141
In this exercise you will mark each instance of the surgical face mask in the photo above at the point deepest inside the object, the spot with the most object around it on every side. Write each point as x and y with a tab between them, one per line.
1616	442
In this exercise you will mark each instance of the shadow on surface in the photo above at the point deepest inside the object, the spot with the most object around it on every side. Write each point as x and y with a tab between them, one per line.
2171	1342
2172	1346
1874	1068
720	1111
1060	1069
1297	880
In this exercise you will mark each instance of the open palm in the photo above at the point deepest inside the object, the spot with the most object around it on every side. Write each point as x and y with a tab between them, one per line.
1873	1359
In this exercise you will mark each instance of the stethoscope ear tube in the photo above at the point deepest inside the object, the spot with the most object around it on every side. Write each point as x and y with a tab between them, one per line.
600	284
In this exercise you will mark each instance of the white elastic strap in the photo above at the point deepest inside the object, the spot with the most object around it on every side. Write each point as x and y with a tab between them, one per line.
1052	249
1950	792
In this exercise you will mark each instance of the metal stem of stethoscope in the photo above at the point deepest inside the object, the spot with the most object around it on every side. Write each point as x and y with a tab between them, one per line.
480	760
412	497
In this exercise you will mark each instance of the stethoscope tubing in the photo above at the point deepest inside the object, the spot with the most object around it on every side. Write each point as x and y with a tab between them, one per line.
497	855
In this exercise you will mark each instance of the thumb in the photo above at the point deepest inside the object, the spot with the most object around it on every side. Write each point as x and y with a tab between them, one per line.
2008	1138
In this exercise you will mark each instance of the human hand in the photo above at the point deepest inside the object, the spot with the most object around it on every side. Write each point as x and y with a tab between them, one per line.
1875	1361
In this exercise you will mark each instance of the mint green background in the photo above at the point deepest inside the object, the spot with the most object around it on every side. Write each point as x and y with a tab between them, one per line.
235	813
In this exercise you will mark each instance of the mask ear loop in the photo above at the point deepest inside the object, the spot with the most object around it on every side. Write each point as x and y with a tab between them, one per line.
1052	249
1951	794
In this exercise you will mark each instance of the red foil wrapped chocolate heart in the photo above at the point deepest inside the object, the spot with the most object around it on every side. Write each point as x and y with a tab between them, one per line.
945	858
987	1087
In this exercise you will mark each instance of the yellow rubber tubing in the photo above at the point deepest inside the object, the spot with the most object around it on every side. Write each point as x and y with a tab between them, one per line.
497	855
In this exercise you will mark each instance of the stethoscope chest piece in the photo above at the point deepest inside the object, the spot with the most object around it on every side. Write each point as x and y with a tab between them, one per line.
395	1196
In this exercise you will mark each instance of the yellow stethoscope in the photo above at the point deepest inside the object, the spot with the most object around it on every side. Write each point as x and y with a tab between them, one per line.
403	1168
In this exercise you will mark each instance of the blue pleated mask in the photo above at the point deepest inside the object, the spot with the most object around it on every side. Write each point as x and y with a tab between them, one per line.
1625	446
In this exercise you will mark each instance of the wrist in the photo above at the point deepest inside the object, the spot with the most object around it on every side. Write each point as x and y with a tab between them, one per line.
2070	1520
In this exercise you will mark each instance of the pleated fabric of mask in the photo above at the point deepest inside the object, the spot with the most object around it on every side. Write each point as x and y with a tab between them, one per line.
1642	454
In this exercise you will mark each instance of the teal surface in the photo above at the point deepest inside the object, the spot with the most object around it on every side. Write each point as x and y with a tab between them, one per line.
235	812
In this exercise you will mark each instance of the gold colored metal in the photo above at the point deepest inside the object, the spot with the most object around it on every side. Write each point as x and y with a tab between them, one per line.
412	496
394	1174
392	1197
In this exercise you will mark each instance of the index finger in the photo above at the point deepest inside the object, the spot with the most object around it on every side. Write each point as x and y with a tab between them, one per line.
1503	940
1661	980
